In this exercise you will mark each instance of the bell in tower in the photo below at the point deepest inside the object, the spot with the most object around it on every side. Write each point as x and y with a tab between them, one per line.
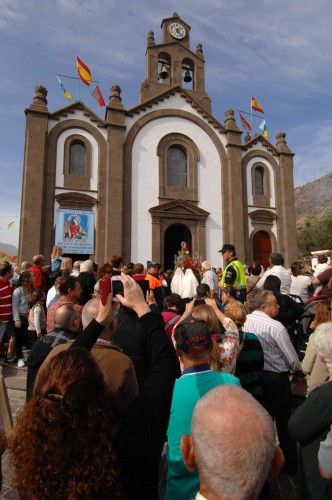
171	63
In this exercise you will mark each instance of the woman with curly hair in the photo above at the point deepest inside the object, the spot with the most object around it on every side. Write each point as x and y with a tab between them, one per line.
63	445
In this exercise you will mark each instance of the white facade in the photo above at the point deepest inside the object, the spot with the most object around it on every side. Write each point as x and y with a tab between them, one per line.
145	184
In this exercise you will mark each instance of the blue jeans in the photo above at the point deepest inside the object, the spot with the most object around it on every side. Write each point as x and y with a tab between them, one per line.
3	328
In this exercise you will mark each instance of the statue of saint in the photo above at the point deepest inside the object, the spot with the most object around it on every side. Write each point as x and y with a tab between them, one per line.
184	249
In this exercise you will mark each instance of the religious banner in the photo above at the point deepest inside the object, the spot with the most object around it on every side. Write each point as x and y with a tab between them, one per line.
74	231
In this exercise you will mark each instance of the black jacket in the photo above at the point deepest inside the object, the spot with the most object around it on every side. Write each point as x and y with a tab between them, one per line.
289	311
131	338
309	426
87	281
143	429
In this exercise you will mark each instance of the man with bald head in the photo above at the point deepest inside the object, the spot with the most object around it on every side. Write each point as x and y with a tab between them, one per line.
116	367
37	273
25	266
67	324
232	444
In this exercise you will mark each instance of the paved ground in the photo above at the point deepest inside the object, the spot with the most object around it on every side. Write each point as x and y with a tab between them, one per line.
15	381
284	488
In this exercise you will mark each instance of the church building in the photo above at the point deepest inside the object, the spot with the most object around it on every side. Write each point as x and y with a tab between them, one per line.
141	180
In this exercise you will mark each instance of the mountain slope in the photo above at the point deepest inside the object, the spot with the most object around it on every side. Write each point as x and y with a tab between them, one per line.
313	199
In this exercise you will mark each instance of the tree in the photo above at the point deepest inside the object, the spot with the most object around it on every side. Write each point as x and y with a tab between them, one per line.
316	234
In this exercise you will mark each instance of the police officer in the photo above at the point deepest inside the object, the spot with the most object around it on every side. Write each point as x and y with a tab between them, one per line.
233	274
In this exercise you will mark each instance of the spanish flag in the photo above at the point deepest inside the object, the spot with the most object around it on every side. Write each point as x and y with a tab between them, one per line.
245	123
256	106
83	71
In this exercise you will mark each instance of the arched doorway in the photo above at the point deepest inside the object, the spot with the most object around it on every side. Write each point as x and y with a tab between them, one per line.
174	234
262	248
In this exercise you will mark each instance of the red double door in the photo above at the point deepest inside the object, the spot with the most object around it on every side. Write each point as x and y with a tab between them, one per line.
262	248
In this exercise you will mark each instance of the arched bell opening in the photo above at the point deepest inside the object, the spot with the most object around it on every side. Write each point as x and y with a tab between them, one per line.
164	68
188	74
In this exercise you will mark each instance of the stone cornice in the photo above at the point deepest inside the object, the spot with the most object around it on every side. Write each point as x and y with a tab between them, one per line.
77	105
150	103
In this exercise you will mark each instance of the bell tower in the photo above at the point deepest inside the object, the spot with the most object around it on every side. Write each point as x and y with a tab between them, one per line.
172	63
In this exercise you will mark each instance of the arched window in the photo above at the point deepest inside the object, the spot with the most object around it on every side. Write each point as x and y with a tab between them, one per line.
176	167
77	158
178	158
164	67
259	180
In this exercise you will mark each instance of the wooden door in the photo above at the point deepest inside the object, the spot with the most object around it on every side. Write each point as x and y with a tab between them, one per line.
262	248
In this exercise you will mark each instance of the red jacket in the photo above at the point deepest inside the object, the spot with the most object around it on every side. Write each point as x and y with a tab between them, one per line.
38	277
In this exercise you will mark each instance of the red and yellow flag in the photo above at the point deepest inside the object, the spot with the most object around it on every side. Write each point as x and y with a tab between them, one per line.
245	123
256	106
83	71
96	93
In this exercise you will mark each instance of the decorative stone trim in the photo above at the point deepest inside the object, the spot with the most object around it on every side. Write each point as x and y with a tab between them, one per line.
175	212
261	200
262	217
168	192
72	181
78	201
277	182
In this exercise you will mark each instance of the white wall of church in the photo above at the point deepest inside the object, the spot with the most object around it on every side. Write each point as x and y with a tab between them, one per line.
145	185
174	102
59	180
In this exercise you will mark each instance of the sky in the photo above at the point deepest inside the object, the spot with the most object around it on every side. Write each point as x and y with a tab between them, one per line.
278	52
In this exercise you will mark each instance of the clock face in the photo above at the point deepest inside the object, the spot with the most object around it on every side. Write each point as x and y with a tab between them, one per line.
177	30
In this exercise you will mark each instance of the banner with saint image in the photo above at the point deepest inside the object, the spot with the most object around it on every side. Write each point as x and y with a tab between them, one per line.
74	230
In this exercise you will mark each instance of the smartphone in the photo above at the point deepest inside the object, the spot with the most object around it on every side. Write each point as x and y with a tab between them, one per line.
117	288
105	288
145	286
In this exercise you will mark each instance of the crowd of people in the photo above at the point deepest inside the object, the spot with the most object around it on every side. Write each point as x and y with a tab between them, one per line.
178	386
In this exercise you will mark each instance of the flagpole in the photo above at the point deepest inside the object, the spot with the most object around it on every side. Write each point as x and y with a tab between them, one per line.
78	88
251	113
78	82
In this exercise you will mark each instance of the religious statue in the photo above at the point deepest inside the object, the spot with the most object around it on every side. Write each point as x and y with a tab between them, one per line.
184	282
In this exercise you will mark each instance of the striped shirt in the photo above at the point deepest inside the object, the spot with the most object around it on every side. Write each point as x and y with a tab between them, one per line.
5	301
279	353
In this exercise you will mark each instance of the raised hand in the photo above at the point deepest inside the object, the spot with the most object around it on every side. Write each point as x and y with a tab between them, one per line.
105	313
132	296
